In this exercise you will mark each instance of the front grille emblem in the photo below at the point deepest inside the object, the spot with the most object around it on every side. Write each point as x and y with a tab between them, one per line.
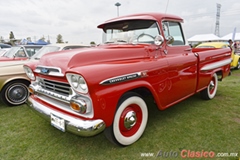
45	70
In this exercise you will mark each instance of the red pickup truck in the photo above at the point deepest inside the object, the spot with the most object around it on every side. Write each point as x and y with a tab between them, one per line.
103	88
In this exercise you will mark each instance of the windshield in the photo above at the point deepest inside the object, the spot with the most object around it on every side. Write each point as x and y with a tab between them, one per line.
3	51
44	50
14	52
131	31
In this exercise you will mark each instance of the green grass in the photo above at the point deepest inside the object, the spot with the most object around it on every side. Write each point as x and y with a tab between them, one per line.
193	124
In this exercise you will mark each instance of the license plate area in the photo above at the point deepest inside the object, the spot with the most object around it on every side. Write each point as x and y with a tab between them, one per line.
58	122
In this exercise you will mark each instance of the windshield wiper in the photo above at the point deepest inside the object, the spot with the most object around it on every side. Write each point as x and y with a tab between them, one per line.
109	42
121	41
116	41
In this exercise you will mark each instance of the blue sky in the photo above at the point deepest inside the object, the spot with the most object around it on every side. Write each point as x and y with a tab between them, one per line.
77	20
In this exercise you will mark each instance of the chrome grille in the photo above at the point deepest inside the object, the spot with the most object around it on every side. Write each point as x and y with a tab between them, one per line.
57	87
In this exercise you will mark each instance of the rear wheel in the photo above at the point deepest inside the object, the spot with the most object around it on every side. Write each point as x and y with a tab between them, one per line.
211	90
15	93
130	120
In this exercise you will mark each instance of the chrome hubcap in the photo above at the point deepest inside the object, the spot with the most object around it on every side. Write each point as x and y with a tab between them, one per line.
130	119
17	94
212	85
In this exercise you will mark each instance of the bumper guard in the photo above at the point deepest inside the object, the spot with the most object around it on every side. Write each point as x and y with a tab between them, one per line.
85	128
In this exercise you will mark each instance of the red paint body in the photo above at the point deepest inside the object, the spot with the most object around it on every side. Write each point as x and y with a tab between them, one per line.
170	78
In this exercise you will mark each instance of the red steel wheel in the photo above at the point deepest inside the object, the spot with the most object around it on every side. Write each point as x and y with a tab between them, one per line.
130	120
211	90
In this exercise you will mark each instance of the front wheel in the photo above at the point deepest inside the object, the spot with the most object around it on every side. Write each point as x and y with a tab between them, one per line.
15	93
130	120
211	90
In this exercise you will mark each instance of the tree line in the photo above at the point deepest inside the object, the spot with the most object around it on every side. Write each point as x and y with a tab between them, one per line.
12	40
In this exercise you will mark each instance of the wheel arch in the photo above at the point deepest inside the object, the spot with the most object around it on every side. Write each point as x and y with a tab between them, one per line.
14	79
219	74
143	89
13	96
119	133
22	80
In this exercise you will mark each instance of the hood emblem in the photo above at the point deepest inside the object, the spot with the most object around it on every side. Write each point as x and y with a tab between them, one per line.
45	70
52	71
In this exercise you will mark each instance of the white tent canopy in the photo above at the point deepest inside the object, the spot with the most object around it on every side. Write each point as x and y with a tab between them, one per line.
204	38
230	36
211	37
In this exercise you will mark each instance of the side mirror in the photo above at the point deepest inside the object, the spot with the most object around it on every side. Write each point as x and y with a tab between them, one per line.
158	40
170	39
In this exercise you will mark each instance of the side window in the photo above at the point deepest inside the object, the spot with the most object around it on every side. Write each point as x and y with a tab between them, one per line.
173	29
31	51
21	53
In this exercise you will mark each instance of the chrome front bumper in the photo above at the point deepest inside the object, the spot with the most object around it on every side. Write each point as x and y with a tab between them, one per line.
76	126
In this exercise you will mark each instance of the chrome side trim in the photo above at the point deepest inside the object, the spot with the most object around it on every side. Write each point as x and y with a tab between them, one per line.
85	128
123	78
216	65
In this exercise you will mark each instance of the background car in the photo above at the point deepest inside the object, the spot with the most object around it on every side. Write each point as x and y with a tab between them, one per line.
20	52
3	45
56	47
3	51
213	45
13	80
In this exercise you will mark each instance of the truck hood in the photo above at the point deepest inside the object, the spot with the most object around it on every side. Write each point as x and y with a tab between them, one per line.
101	54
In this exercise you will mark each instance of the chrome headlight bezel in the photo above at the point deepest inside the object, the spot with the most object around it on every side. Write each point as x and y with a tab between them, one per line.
77	82
29	72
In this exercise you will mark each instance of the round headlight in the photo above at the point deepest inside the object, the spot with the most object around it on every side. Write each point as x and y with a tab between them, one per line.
29	72
77	82
83	84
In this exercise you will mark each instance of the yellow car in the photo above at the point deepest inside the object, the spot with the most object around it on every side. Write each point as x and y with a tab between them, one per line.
235	64
213	45
235	61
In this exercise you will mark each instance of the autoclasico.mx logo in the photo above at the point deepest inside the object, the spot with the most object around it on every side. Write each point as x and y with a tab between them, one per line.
187	153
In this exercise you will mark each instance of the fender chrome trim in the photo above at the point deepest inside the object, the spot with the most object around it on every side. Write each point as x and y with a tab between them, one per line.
216	65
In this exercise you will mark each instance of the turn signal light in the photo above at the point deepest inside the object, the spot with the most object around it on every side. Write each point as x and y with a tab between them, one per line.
31	90
78	107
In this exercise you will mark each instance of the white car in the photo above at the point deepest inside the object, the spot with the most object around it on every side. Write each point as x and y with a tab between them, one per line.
3	51
56	47
14	81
